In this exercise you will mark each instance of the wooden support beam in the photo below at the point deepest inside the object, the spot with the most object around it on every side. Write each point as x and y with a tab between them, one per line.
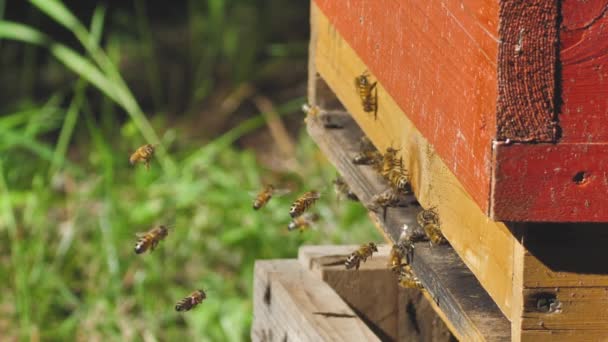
292	305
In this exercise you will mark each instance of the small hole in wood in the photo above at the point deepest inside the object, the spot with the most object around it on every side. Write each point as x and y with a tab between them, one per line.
267	295
547	302
580	177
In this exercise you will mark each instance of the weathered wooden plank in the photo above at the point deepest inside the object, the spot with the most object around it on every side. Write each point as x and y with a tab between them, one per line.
291	304
584	64
393	312
455	290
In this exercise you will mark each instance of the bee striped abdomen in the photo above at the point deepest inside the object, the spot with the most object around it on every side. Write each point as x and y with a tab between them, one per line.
263	197
361	254
150	240
303	203
191	301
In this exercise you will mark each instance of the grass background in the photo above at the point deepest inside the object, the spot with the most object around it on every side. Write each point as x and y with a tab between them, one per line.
82	84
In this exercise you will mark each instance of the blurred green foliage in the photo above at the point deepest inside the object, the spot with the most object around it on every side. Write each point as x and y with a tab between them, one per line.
70	204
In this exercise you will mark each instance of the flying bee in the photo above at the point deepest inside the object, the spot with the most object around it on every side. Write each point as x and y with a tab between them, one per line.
408	279
388	198
150	239
303	222
360	255
367	93
188	303
429	222
264	196
303	203
343	189
143	154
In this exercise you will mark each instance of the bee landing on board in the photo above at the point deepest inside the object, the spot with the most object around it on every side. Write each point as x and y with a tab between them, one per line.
428	220
367	93
342	189
360	255
150	239
303	203
264	196
303	222
143	154
388	198
408	279
191	301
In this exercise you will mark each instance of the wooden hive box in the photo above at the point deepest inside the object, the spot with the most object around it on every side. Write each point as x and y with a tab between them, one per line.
499	116
512	95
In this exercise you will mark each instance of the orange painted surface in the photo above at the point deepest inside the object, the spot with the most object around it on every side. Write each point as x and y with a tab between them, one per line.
438	61
584	57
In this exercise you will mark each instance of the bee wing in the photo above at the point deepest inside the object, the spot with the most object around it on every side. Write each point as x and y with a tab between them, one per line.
281	192
140	234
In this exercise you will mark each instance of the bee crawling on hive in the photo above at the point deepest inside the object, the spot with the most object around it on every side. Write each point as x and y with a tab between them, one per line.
367	155
188	303
142	154
360	255
428	220
150	239
367	93
303	222
303	203
264	196
342	189
388	198
402	251
408	279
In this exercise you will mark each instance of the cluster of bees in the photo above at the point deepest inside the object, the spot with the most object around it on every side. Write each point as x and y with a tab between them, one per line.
149	240
391	167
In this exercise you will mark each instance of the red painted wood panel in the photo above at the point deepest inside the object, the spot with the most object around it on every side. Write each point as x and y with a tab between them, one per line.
438	61
564	182
584	58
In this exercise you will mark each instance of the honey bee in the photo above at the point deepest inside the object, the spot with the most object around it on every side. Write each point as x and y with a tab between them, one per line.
367	158
361	254
367	93
303	203
150	239
303	222
343	189
143	154
311	110
399	178
395	260
429	222
388	198
264	196
191	301
408	279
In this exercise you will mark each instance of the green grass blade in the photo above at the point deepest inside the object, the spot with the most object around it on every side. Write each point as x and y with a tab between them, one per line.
97	22
68	128
56	10
15	31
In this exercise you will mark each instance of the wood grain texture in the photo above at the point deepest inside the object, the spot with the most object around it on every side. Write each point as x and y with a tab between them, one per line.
486	247
292	305
527	61
584	59
438	60
401	314
457	293
566	182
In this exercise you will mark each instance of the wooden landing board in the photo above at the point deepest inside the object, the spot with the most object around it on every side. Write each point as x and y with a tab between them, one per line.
455	290
397	313
292	305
